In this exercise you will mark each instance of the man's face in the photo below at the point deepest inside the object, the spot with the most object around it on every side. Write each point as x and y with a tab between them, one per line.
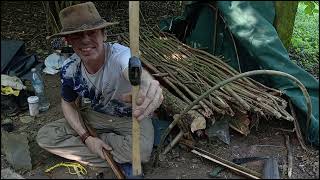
88	44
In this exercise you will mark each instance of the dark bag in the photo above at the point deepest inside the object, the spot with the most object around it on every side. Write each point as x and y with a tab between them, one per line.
14	60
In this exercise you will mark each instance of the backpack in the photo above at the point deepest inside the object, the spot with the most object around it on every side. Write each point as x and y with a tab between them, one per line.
14	60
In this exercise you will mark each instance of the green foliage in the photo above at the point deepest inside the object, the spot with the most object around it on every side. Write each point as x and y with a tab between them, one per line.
305	39
310	8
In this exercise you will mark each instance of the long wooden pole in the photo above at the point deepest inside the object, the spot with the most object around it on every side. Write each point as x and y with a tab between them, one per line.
232	166
134	46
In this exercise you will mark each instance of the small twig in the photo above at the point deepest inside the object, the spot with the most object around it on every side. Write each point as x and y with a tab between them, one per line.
267	145
173	142
282	110
285	130
244	104
112	35
290	156
215	30
297	128
116	41
196	107
160	74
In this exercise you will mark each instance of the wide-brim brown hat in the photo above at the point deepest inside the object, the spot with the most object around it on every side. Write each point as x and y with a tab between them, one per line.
80	17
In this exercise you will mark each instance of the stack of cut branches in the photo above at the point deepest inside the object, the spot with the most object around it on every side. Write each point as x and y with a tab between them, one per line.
189	72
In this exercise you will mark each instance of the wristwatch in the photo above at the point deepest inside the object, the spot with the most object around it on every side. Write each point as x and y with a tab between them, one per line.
84	136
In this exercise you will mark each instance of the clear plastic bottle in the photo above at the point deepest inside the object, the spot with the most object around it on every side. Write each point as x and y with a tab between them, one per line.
38	86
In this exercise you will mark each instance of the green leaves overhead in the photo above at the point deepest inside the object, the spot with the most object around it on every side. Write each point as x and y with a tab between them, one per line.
311	7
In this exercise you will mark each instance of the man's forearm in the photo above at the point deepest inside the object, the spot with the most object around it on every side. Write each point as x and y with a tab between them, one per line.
72	116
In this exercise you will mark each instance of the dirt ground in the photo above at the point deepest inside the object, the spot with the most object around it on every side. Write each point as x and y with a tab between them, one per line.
180	163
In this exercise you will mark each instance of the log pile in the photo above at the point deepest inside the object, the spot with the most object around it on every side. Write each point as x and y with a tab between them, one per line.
187	73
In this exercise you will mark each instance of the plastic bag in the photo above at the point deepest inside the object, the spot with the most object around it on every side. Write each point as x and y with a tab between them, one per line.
53	63
12	81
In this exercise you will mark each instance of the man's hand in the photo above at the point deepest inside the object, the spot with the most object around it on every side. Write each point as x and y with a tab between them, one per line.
149	97
95	145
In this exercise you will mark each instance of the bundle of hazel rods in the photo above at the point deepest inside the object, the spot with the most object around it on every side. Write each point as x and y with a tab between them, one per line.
190	72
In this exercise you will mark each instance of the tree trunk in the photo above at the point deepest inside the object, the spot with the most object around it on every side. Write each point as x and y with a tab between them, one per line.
284	20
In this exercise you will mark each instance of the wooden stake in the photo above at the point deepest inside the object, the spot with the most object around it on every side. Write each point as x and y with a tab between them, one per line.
134	46
134	27
290	156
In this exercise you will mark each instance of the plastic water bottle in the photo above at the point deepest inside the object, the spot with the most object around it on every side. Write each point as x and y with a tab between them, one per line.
38	86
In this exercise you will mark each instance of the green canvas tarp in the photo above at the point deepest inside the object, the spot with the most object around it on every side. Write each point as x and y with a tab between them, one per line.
243	32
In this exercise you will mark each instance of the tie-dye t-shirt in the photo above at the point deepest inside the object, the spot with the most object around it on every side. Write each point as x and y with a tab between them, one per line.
103	88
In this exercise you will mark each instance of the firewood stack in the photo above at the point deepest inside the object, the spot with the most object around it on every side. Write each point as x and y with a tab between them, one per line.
185	73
